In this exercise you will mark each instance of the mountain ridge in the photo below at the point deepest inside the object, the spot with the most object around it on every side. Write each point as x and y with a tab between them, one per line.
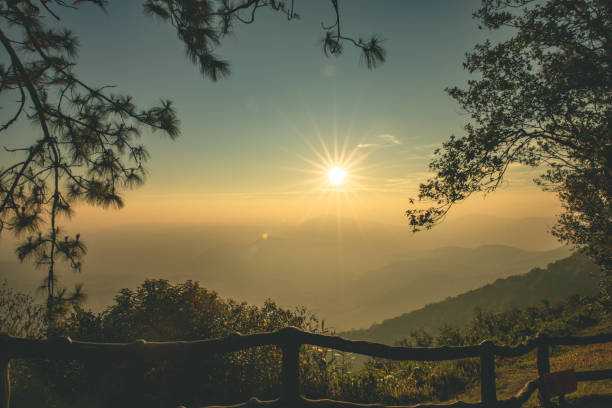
563	278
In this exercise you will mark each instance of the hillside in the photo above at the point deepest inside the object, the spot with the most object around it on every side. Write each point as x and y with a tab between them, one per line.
424	277
563	278
351	289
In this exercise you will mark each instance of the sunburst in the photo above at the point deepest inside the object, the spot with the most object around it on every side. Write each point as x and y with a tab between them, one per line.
338	173
337	176
336	169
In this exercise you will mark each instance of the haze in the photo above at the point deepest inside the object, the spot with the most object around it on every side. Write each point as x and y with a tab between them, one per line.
241	201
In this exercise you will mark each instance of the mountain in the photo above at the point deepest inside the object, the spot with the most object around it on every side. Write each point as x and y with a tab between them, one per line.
429	276
561	279
350	272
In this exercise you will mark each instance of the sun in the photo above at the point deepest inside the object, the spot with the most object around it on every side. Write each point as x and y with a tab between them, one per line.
337	169
336	175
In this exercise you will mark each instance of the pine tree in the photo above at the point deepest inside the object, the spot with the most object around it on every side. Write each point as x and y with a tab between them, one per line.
88	146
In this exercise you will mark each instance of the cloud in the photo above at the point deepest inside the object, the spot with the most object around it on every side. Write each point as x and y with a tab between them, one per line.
390	139
328	71
385	140
367	145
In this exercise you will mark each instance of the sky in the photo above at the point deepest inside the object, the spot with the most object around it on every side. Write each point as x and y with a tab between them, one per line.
255	150
257	146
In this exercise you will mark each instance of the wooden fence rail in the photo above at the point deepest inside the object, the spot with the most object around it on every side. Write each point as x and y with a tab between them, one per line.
290	339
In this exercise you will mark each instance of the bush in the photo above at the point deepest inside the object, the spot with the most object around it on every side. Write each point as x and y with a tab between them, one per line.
20	316
160	311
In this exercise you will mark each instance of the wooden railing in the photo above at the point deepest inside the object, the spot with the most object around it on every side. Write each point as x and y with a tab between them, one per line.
290	339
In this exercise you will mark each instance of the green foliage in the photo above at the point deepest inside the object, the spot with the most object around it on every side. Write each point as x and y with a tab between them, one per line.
517	325
440	381
20	316
444	380
86	148
160	311
372	51
542	99
561	279
406	382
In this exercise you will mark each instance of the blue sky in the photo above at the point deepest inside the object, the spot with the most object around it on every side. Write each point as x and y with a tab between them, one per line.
244	140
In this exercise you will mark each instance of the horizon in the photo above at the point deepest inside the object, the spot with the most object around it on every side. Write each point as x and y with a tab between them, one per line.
239	262
237	203
255	157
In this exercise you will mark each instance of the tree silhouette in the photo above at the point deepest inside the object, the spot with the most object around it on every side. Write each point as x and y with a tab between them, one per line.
87	145
542	99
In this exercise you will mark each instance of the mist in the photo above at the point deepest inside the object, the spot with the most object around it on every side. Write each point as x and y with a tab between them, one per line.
350	273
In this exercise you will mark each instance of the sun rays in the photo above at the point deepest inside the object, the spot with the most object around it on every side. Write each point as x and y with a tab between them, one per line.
335	174
334	168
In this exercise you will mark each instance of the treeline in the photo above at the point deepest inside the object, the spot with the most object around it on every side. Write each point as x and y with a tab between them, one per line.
570	316
159	310
575	274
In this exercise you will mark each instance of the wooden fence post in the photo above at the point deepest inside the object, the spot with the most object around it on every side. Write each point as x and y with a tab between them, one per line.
291	369
543	362
5	381
488	392
543	355
290	373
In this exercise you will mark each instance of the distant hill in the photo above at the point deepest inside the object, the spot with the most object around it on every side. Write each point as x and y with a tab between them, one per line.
429	276
350	272
561	279
348	292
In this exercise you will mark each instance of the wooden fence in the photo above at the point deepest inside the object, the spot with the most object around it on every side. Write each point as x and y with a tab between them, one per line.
290	339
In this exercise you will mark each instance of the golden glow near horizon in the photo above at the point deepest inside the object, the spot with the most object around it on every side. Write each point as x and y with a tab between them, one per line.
336	175
339	179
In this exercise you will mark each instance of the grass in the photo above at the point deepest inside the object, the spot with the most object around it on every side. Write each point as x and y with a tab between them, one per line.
513	373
